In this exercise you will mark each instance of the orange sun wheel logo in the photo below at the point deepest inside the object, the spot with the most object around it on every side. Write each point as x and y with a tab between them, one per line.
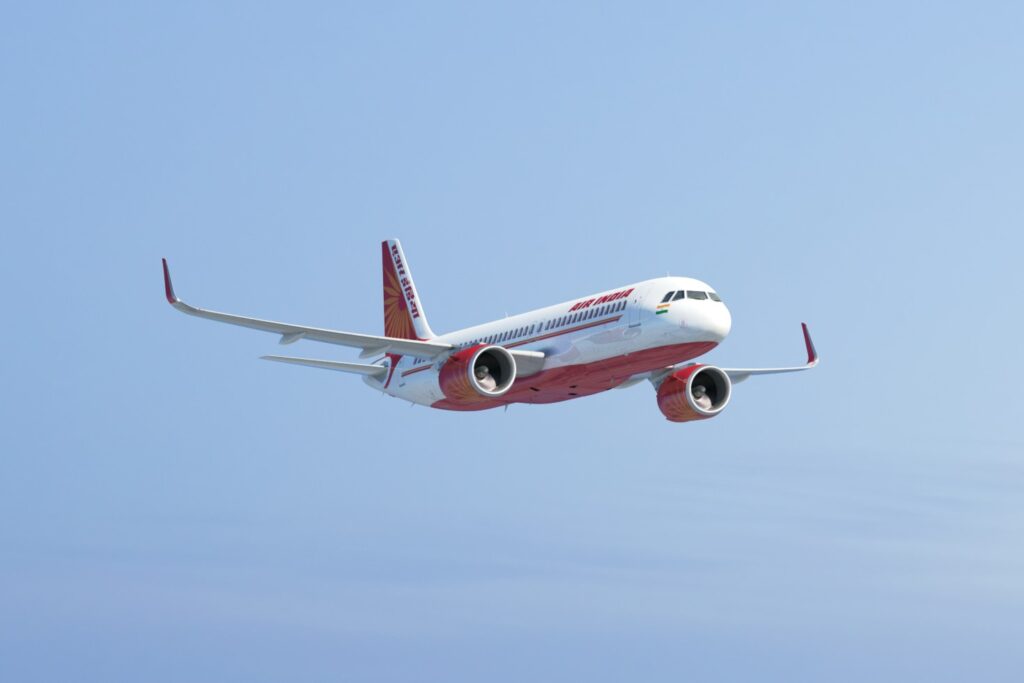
397	322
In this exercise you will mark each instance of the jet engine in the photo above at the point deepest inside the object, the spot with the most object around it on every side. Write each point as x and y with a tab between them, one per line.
477	374
695	392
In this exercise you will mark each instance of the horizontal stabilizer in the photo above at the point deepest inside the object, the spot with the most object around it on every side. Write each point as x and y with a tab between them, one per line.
339	366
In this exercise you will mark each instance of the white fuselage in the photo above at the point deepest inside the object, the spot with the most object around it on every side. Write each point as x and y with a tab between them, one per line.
585	333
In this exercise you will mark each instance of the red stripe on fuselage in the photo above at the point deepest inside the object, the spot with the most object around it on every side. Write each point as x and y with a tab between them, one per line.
415	370
594	323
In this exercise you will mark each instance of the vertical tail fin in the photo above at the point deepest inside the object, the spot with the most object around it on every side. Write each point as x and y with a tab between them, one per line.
404	317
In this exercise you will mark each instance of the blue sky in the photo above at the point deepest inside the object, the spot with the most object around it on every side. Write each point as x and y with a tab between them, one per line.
175	510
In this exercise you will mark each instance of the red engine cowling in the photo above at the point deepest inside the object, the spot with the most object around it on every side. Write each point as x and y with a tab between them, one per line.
679	394
458	376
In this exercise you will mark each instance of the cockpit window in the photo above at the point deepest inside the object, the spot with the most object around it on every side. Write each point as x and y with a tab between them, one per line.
714	297
679	295
693	294
668	297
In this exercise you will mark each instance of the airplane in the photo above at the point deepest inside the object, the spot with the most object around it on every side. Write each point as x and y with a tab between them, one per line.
616	338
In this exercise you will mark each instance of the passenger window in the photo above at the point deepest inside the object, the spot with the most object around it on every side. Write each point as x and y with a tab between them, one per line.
697	295
668	297
679	295
714	297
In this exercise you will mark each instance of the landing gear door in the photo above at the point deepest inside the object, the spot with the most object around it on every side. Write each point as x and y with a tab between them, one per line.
636	307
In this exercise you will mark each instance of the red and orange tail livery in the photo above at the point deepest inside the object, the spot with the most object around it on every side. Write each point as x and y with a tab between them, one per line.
403	311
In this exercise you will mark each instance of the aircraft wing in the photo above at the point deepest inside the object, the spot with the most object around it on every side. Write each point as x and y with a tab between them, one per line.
371	345
740	374
527	362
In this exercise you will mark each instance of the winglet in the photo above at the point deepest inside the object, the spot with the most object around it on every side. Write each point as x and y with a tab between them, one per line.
812	353
168	287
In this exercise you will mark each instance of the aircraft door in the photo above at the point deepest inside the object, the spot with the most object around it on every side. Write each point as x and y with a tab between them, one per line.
636	307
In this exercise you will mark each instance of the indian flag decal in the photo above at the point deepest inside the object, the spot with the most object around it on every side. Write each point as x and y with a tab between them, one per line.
662	308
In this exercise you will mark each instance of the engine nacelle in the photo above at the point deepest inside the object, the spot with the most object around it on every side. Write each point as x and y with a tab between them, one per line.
678	395
459	379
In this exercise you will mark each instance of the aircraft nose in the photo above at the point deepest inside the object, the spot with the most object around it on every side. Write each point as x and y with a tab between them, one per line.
719	323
